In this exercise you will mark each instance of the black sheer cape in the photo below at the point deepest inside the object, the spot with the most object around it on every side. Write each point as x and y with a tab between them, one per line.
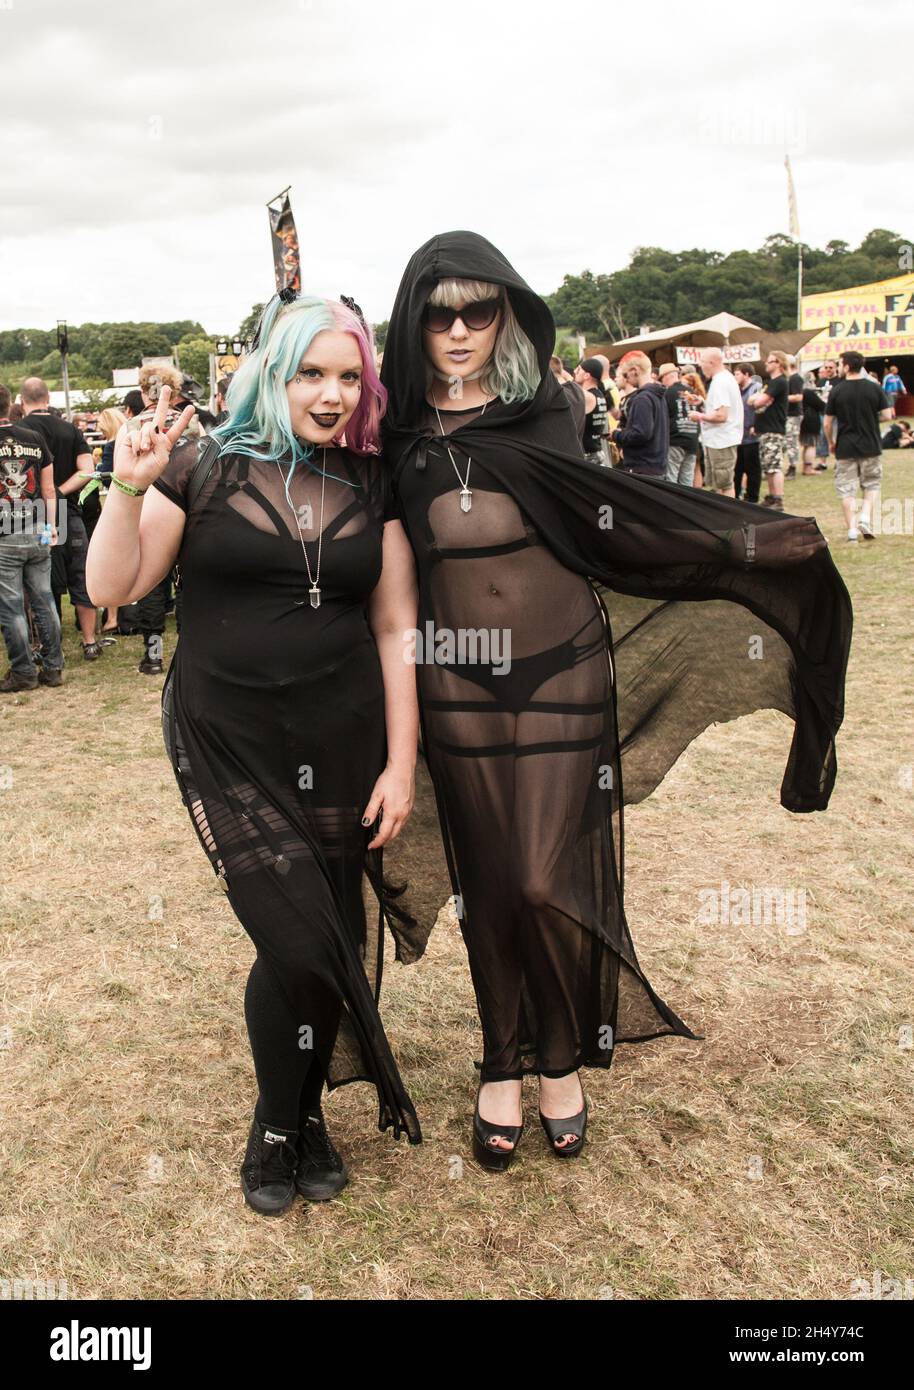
697	578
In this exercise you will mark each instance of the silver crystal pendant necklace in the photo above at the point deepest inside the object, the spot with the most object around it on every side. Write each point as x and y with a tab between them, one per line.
466	495
314	592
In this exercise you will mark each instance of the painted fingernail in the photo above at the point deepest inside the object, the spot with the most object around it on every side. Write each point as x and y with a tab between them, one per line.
366	821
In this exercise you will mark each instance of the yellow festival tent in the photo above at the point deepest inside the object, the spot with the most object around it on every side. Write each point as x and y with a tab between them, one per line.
877	320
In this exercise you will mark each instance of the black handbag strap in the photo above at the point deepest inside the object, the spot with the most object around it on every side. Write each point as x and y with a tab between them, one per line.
202	469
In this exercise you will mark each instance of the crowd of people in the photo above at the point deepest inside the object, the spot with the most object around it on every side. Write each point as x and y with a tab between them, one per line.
54	477
718	427
725	428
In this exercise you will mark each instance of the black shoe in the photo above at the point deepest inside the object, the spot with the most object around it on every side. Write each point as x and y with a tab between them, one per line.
486	1153
49	676
791	473
321	1171
268	1170
150	667
557	1129
91	651
11	683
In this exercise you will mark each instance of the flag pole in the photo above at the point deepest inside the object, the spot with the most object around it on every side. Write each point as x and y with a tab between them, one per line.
794	222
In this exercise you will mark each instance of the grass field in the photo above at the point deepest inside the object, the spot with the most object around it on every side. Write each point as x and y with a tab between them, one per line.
772	1160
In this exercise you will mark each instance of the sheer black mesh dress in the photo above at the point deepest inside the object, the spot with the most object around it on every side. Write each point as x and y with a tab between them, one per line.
636	611
273	716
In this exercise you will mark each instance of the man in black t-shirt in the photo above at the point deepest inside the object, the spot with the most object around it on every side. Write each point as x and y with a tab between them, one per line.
856	405
828	377
770	406
683	448
27	502
73	461
589	376
794	417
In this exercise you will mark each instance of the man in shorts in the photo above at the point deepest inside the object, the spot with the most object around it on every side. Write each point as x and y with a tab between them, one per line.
721	422
794	418
770	406
855	407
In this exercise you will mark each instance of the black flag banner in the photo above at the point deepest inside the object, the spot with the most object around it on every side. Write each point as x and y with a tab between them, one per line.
285	243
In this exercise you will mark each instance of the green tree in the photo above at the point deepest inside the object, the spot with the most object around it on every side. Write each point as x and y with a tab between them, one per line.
126	344
660	287
249	324
193	357
583	304
567	349
174	332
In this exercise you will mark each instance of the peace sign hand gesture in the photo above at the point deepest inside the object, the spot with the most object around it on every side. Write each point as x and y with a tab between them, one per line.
141	454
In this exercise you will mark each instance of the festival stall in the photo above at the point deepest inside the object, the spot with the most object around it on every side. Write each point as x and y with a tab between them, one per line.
740	340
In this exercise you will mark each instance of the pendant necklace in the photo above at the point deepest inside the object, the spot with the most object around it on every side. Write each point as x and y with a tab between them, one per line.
314	592
466	496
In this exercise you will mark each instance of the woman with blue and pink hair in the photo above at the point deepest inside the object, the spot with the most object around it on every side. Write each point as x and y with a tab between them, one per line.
288	711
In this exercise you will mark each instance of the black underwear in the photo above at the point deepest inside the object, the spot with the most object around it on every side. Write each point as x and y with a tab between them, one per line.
512	689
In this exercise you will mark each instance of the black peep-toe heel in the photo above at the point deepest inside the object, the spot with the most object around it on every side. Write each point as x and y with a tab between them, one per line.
490	1155
574	1124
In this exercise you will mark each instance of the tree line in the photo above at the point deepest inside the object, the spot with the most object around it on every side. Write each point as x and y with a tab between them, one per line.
661	288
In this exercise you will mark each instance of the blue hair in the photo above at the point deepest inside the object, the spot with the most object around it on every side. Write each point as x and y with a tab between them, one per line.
259	424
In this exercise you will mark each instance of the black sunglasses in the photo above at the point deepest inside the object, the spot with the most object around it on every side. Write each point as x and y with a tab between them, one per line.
438	318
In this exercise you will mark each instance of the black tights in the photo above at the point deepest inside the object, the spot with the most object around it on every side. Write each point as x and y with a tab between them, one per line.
290	1078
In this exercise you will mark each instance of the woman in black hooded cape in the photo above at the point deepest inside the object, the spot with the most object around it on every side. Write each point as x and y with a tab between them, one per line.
709	609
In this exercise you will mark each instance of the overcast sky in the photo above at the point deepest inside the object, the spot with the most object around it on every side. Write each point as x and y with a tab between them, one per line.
142	141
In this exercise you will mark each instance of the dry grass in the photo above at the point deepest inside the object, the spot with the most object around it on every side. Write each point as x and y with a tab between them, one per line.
770	1161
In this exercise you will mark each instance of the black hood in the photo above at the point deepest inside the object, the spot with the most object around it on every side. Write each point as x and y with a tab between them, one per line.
459	256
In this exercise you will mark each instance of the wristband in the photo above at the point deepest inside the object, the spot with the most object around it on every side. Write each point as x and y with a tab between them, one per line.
128	487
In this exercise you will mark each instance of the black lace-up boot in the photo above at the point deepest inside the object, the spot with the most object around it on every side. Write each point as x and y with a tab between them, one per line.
321	1171
268	1170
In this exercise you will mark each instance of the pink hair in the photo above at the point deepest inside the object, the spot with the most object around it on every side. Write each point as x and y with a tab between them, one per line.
363	432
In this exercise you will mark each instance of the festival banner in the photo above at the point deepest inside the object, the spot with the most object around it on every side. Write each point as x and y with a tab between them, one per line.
736	352
285	243
877	320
